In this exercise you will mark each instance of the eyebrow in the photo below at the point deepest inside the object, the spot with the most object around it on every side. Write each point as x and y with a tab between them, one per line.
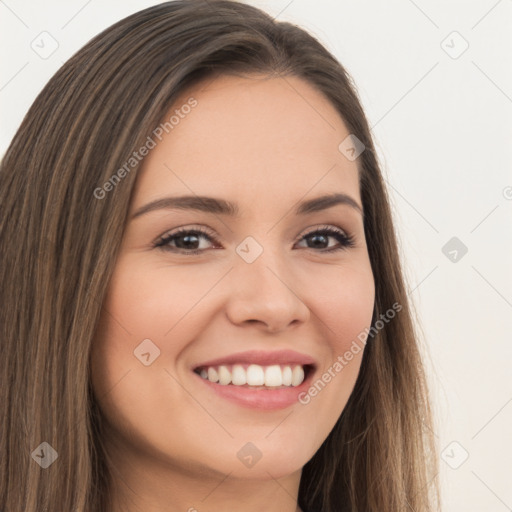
223	207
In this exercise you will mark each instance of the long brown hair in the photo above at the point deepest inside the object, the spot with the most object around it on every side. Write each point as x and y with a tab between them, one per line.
59	243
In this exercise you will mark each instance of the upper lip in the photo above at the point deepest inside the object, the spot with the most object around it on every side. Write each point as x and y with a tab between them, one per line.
262	358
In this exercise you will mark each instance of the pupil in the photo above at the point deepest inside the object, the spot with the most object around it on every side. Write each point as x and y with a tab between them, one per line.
316	237
187	240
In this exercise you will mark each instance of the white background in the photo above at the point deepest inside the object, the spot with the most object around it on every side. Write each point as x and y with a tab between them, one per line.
443	129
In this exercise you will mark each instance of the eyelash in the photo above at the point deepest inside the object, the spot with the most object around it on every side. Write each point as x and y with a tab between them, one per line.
346	241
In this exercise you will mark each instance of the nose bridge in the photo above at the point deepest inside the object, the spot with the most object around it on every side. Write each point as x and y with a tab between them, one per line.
262	263
264	288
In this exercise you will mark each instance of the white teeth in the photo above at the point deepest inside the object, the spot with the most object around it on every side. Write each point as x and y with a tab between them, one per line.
238	375
297	376
255	375
273	376
287	376
213	376
224	375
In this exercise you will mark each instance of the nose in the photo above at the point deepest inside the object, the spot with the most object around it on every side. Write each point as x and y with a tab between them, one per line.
264	293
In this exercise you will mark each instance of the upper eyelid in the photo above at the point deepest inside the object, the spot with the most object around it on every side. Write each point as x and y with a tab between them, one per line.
321	227
203	230
209	231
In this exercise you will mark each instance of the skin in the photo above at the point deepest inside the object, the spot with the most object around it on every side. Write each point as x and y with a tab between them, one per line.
264	143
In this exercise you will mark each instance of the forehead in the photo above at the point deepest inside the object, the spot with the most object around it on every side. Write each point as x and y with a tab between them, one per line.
257	138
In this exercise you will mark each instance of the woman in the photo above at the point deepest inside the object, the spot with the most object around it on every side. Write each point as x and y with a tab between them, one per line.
202	302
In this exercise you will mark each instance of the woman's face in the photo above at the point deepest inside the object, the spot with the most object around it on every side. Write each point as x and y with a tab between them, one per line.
256	290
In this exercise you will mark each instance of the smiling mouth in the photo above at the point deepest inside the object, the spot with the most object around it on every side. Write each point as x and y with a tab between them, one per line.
255	376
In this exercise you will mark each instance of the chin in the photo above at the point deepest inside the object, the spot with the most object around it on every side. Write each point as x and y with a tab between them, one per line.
256	460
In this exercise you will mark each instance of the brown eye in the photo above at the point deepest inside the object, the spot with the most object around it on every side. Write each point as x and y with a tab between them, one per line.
320	239
185	240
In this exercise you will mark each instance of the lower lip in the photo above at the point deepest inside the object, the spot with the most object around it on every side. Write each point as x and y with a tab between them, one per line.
266	399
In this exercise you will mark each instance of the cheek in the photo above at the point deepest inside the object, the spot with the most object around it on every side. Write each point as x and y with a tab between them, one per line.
344	301
128	391
140	305
151	299
345	309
